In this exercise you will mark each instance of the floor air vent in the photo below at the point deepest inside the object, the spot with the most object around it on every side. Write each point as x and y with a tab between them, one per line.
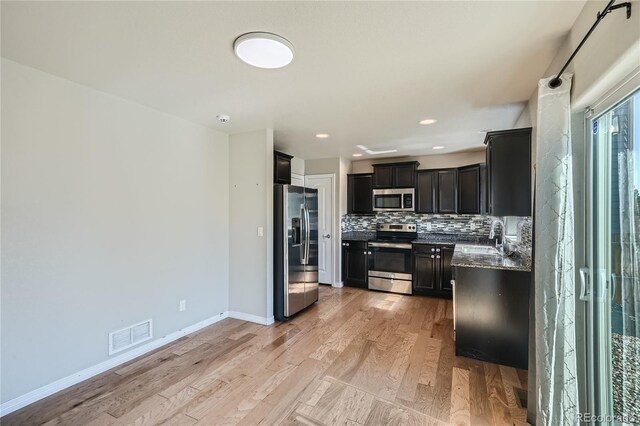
130	336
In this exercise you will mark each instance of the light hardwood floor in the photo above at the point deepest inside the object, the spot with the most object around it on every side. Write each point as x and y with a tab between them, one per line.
356	357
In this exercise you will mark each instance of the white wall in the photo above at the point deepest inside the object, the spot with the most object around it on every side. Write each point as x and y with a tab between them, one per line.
297	166
441	161
111	213
250	207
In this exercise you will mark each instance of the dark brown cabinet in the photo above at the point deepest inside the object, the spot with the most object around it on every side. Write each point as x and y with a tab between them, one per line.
509	172
437	191
395	175
281	168
360	193
426	191
432	269
491	308
471	189
355	263
447	191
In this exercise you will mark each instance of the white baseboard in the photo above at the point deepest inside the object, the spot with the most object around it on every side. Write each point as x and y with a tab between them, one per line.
46	390
338	285
252	318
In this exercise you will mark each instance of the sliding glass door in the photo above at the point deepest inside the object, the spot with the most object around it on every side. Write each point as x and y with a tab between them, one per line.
611	284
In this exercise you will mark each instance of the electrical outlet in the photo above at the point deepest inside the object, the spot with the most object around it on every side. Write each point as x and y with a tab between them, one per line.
183	305
260	231
428	226
472	226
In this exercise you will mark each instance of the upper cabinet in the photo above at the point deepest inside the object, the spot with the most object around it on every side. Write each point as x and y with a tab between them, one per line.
281	168
509	172
447	191
472	187
395	175
426	191
436	191
360	193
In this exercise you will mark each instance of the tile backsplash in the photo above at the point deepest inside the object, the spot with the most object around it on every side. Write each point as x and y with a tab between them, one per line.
476	225
466	225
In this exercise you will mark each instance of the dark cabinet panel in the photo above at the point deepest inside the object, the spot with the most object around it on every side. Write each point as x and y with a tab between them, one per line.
431	268
395	175
425	269
360	193
469	189
281	168
354	263
447	198
509	172
383	177
492	315
484	190
426	192
404	176
446	275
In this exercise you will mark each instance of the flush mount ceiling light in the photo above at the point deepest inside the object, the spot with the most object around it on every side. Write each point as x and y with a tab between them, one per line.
438	147
263	50
372	152
427	121
322	135
357	154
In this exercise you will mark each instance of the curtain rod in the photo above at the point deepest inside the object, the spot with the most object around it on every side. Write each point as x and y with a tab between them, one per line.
556	81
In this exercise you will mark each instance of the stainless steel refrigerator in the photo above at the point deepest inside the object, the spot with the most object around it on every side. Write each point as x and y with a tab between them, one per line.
295	249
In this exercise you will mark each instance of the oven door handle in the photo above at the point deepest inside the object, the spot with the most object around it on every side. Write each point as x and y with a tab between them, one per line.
391	245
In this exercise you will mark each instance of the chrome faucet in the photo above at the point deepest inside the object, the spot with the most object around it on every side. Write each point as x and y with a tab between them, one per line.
492	234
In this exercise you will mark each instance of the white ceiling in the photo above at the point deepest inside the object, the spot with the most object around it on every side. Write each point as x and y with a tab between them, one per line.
364	72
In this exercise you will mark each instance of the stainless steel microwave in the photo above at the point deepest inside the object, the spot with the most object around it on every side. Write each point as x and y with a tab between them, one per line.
394	200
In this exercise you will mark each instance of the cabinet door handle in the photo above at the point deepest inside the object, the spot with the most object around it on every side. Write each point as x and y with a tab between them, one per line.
437	250
347	244
433	249
432	256
437	257
369	252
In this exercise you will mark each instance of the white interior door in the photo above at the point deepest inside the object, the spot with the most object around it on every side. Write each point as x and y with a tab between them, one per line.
325	186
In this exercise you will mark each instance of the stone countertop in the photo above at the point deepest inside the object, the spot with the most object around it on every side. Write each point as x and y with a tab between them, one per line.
358	236
423	238
463	256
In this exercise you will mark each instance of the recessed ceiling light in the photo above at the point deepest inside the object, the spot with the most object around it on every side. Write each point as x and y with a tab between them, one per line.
438	147
322	135
263	50
428	121
357	154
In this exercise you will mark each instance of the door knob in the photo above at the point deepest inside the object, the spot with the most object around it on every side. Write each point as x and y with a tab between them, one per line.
327	236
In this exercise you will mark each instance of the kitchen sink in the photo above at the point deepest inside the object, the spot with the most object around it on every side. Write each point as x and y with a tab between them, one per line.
469	249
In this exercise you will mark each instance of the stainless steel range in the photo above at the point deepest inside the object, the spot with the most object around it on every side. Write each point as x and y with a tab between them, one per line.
390	267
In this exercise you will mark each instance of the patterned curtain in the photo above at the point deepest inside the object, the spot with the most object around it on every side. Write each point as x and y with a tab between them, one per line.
555	304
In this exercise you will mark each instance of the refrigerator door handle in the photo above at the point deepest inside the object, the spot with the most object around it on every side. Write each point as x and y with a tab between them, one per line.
307	236
305	224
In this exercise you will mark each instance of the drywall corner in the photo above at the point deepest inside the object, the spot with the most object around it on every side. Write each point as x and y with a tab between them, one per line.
251	214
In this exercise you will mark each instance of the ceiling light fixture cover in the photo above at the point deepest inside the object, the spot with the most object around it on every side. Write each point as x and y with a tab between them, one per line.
263	50
322	135
357	154
428	121
438	147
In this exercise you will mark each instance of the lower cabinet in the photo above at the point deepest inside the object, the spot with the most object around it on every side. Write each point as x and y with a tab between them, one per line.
432	269
355	263
491	315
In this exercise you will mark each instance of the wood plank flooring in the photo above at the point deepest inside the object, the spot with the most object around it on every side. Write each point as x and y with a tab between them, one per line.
356	357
